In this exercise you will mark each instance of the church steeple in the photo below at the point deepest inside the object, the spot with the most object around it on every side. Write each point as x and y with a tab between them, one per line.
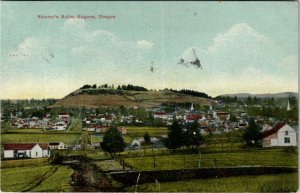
288	106
192	107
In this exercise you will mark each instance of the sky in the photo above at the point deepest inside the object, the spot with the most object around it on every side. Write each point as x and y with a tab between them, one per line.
244	47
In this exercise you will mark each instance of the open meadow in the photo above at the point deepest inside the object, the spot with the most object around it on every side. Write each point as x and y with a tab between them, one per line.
169	161
140	131
261	183
67	138
34	175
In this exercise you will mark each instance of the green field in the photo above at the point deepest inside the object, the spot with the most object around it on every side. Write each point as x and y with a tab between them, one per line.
16	179
25	130
57	182
24	162
272	157
34	175
67	138
128	139
261	183
140	131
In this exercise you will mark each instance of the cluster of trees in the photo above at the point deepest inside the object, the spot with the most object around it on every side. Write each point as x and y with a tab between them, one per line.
131	87
120	87
183	135
227	99
192	93
86	86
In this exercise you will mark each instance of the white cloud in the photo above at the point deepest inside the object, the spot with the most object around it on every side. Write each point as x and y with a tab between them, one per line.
144	44
237	37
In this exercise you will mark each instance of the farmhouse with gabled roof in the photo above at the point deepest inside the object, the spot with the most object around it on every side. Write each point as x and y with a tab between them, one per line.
280	135
22	150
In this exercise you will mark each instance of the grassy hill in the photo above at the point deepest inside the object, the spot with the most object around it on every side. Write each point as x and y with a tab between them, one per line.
108	98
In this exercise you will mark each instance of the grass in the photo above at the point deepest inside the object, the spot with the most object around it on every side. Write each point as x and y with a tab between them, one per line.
57	182
128	139
39	130
261	183
96	138
274	157
15	179
24	163
140	131
109	165
67	138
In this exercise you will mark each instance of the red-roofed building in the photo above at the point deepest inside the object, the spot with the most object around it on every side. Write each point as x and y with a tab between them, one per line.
160	115
32	150
280	135
191	117
64	116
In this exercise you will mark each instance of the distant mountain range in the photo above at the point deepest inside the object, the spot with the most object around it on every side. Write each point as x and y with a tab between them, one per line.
267	95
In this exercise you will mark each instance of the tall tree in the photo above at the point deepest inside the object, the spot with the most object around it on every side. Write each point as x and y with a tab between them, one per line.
252	134
113	141
175	136
147	138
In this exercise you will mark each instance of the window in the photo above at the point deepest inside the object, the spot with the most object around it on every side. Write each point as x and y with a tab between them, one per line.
29	153
286	133
36	153
286	140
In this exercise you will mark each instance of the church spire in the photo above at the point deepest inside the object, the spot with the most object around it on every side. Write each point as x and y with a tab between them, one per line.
288	106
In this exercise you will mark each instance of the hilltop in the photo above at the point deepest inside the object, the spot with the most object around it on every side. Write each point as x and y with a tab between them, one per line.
114	98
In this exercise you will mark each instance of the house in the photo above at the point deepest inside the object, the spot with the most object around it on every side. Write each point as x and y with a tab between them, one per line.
222	116
60	126
57	145
64	116
191	117
160	115
123	130
280	135
135	144
21	150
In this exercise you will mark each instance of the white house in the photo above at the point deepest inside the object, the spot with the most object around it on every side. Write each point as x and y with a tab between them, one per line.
280	135
26	150
57	145
135	144
60	126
